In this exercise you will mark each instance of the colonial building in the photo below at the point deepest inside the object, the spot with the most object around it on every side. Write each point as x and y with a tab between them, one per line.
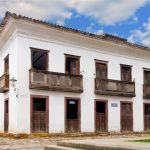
56	79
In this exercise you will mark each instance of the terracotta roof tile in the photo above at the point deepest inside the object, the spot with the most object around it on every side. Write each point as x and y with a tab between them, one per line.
106	37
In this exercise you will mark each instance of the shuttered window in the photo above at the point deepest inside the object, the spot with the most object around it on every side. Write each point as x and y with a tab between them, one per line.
101	70
147	77
126	73
72	65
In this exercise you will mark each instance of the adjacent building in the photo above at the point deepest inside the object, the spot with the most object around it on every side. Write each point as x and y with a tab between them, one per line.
56	79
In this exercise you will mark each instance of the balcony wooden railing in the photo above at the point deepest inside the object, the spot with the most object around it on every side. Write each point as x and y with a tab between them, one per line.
114	88
4	83
45	80
146	91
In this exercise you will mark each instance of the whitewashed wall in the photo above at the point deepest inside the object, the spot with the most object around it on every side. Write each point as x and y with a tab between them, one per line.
59	42
11	49
87	68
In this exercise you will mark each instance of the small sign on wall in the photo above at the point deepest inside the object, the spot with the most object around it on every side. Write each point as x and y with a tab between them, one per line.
71	102
114	105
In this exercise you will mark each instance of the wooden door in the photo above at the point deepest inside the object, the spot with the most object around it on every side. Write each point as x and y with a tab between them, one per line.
126	116
39	115
101	116
146	77
6	115
74	67
6	64
147	117
101	70
126	73
72	121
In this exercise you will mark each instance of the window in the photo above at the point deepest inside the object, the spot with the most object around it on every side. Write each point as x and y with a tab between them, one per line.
6	64
72	65
39	59
147	77
39	104
126	73
72	109
101	70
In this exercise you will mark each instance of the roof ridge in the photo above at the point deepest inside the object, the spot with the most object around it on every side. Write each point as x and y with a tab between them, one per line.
105	36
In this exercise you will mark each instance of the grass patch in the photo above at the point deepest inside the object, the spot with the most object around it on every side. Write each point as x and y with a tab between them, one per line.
142	141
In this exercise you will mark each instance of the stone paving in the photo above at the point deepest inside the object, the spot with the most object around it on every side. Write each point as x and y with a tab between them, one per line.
108	143
25	144
38	143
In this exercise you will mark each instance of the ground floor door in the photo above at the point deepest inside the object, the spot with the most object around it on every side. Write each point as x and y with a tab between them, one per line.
72	115
147	117
126	116
39	114
101	116
6	115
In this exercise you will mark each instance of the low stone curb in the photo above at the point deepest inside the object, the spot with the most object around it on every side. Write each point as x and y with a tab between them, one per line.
70	135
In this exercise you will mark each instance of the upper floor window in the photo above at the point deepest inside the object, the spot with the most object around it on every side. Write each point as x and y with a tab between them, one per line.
126	73
39	59
147	77
6	64
101	70
72	65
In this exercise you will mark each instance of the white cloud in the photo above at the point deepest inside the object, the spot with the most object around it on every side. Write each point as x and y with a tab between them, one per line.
135	19
104	11
100	31
91	29
109	11
141	36
48	9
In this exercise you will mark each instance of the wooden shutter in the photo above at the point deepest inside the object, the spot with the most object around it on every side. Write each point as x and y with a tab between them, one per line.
74	66
101	71
147	77
126	73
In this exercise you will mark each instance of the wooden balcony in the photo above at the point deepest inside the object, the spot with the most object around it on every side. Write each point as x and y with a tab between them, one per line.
54	81
4	83
146	91
114	88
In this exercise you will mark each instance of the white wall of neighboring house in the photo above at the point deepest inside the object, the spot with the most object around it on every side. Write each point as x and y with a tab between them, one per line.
88	49
11	49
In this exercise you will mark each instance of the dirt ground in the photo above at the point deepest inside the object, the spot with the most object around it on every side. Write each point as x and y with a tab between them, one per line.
38	143
26	144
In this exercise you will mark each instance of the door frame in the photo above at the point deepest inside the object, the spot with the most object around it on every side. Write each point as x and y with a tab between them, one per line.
79	111
144	114
31	111
126	102
7	99
106	111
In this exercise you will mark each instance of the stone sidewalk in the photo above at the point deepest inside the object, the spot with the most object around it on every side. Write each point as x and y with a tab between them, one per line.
112	143
38	143
26	144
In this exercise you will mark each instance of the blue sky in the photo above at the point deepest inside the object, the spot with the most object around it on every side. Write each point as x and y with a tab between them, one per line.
124	18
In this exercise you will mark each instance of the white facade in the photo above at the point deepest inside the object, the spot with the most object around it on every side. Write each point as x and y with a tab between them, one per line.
16	39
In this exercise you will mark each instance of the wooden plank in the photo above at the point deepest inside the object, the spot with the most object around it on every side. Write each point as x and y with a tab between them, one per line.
126	116
6	115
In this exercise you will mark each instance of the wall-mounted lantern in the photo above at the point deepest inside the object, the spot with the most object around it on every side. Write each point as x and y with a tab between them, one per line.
13	83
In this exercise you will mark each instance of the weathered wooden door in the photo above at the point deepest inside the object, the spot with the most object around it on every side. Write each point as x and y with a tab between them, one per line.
101	71
126	117
101	116
72	121
6	115
126	73
147	117
74	67
39	115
